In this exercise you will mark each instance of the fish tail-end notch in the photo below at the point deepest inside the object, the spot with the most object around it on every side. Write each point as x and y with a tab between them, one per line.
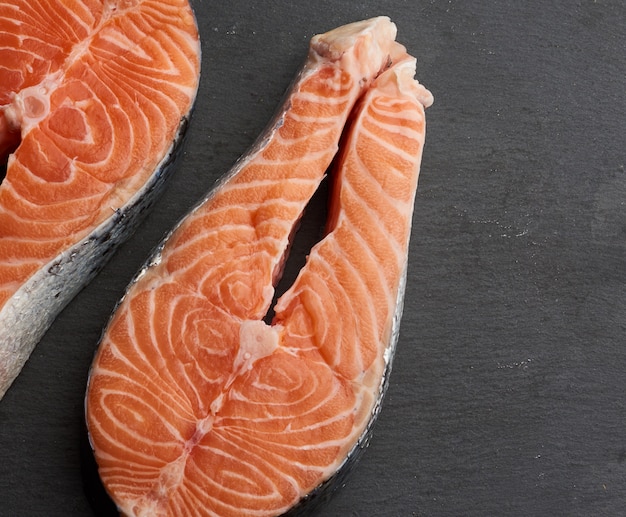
359	268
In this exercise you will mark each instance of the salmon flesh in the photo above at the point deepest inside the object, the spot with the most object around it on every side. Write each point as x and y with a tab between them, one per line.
195	405
95	98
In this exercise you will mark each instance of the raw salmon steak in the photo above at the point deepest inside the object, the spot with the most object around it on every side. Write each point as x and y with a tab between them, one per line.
95	96
195	405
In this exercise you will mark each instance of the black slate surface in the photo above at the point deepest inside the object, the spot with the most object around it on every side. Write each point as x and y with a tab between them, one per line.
508	390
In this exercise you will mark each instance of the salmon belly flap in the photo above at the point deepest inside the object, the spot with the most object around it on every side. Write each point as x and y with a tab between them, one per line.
195	405
93	97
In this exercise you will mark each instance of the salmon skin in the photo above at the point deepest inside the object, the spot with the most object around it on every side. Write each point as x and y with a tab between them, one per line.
95	100
195	405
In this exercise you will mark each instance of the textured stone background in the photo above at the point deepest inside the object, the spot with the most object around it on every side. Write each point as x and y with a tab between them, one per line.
508	390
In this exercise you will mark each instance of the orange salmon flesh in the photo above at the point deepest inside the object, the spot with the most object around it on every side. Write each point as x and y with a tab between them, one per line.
195	405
